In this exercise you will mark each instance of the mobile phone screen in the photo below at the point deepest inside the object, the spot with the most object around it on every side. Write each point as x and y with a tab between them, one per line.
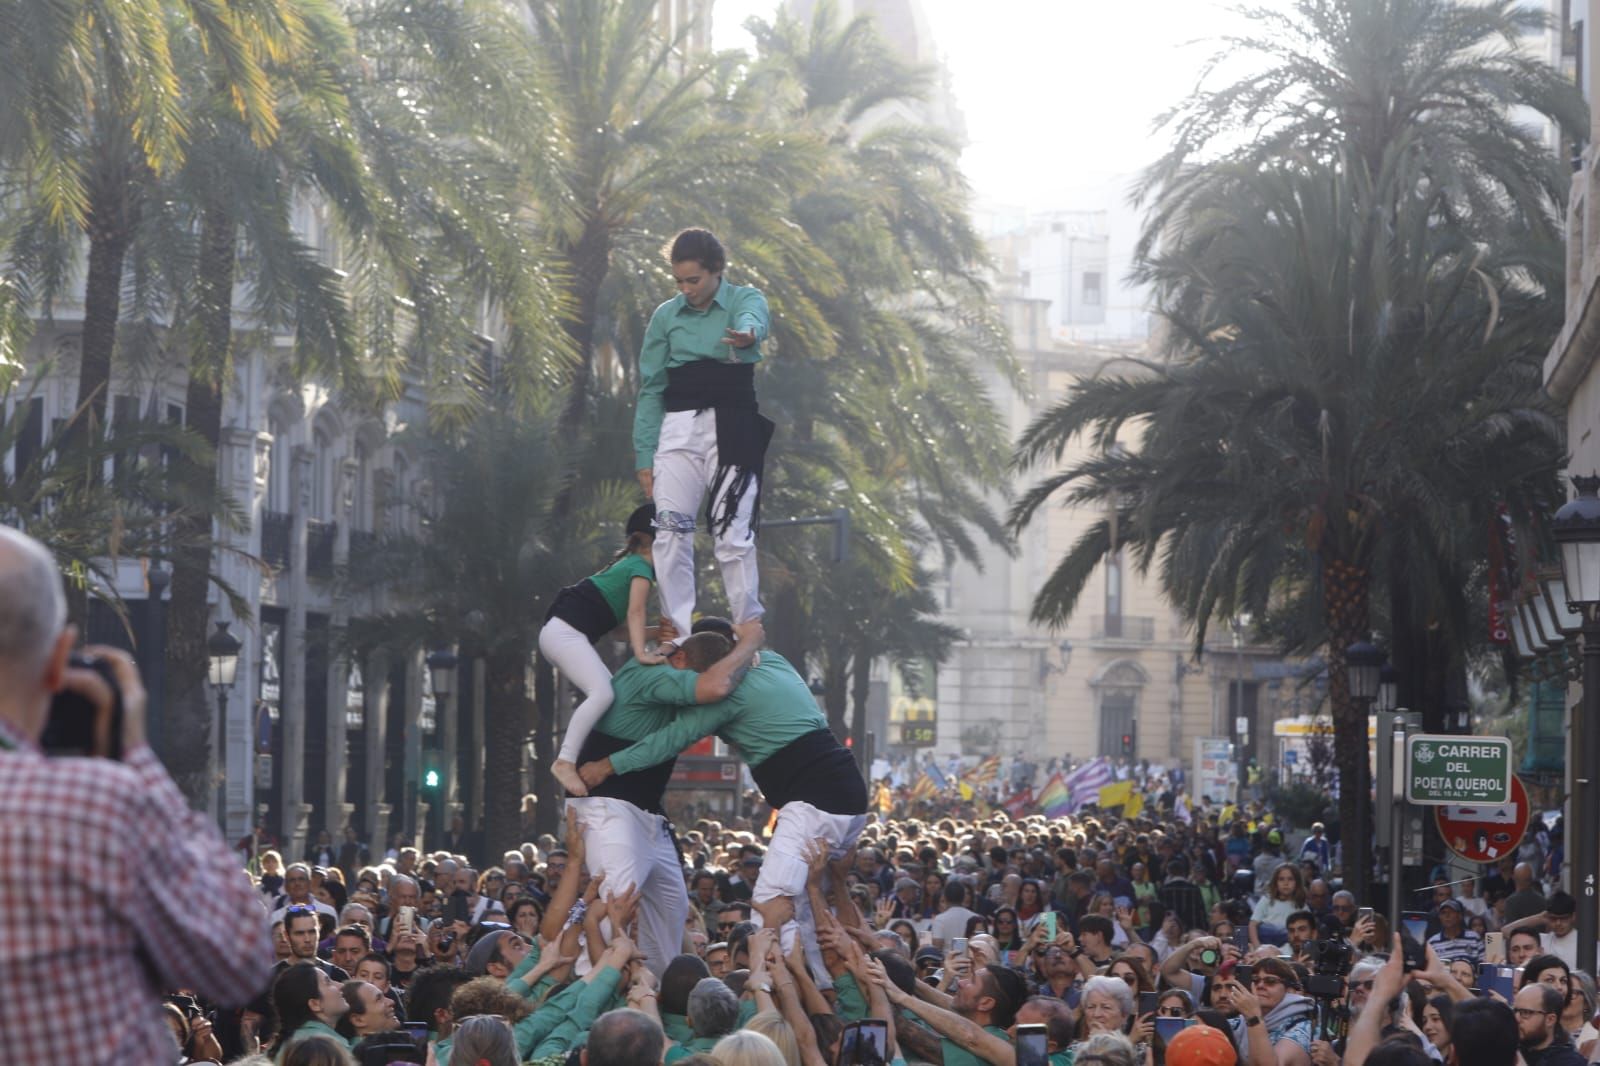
1047	923
1167	1028
865	1043
1147	1002
1416	924
1033	1046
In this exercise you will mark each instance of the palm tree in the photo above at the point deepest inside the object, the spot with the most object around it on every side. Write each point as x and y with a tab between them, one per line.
95	115
1294	450
491	557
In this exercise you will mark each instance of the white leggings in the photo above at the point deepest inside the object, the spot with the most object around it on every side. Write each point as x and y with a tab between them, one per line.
580	664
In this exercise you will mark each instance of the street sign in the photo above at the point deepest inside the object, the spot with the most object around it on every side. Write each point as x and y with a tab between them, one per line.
1485	833
1472	771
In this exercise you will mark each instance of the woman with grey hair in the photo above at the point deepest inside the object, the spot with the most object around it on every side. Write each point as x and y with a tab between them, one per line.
1106	1049
485	1038
1107	1005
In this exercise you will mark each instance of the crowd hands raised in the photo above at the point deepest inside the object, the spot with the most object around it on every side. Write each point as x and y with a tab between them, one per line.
1117	943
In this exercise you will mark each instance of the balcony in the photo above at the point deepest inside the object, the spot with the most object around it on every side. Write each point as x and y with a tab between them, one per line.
319	547
275	527
1122	627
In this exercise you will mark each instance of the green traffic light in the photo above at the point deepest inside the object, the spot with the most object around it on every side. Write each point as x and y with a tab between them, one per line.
431	779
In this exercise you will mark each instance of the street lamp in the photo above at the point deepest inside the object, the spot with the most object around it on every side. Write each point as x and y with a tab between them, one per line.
1576	528
442	672
1363	667
1388	687
222	649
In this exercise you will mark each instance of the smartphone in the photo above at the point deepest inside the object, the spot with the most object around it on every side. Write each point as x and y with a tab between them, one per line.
1364	914
1241	938
456	910
69	729
1148	1002
1494	947
1495	978
416	1029
405	921
1167	1028
1047	923
1243	973
865	1043
1416	956
958	946
1415	923
1032	1046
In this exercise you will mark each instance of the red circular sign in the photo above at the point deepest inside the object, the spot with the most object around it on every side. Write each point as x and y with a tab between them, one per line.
1485	834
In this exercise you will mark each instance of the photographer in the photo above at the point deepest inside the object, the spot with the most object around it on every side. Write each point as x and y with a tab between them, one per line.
97	829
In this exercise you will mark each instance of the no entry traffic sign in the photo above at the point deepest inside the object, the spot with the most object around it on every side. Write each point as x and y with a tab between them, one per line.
1456	769
1480	833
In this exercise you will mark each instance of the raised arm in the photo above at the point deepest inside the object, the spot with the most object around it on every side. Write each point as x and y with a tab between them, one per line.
947	1023
723	676
566	891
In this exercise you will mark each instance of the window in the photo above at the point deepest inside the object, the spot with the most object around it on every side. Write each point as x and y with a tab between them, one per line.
278	467
1091	288
321	476
1113	625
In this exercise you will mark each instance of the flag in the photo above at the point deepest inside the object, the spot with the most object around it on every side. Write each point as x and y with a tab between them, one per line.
1115	795
924	788
1134	805
1084	783
940	782
1020	804
985	771
1181	810
1055	800
965	791
883	800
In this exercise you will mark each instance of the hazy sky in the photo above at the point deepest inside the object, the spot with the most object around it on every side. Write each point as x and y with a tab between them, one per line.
1059	95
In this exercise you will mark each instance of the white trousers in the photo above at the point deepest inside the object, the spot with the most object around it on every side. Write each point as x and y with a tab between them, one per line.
784	869
686	463
632	847
580	664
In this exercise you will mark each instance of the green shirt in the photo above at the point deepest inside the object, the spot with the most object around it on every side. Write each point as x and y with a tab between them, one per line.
313	1029
573	1015
615	582
771	708
684	1050
956	1055
645	699
849	1003
676	1026
679	334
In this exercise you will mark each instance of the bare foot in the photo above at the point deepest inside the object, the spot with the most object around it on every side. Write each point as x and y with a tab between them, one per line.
567	774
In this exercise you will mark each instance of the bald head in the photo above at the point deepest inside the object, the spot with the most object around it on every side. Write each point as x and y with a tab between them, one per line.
1522	876
34	636
33	609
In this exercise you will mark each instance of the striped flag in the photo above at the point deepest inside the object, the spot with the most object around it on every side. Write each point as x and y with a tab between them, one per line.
924	788
1085	782
1056	799
985	771
1019	805
941	783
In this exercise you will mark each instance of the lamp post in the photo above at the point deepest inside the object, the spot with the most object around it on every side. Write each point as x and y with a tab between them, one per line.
1363	671
1577	530
222	649
439	785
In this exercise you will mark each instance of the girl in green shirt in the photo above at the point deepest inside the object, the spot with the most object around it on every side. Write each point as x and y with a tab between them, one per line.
587	611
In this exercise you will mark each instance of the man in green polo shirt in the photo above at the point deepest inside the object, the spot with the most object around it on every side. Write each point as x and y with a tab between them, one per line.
697	427
797	762
625	831
972	1022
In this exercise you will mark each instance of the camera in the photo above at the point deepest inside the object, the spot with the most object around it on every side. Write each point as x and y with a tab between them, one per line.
1330	965
69	730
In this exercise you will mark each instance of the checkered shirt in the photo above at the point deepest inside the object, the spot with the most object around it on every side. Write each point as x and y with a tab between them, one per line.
110	886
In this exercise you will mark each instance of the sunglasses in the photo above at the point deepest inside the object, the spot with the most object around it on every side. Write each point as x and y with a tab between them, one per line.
1266	979
1170	1012
1364	986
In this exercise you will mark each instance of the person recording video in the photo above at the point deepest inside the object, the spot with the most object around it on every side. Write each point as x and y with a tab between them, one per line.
148	896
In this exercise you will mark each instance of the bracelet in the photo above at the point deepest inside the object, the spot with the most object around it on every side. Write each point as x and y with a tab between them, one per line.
1253	1022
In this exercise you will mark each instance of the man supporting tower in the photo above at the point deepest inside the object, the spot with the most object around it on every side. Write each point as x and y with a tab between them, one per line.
625	832
697	427
799	765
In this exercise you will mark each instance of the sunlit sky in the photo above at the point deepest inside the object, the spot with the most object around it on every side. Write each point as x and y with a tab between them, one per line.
1058	95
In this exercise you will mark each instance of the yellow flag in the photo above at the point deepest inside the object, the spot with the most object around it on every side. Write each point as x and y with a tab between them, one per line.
965	790
1134	805
1115	795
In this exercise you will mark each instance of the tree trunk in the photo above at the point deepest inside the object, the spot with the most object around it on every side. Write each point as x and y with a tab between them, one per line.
590	257
1346	589
786	625
546	819
860	688
189	753
109	236
835	695
505	732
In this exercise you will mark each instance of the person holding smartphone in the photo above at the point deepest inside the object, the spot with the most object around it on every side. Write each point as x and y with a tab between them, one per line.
205	929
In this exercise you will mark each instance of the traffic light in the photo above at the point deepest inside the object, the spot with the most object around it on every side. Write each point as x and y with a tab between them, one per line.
1127	742
430	779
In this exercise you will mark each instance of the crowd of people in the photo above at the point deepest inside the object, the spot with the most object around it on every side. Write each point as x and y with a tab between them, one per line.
1213	936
